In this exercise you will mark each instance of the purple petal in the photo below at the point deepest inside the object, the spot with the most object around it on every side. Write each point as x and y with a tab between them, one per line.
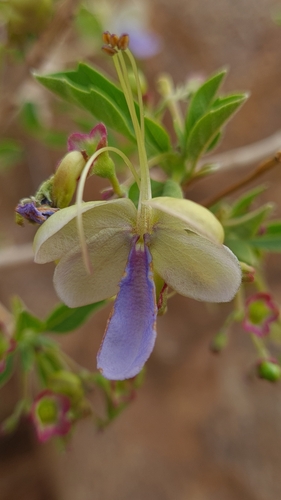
131	330
35	214
144	44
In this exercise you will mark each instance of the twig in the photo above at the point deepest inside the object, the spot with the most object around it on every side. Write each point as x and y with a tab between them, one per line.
54	32
260	170
247	155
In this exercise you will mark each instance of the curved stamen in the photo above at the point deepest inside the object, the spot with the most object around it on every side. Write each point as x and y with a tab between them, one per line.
79	197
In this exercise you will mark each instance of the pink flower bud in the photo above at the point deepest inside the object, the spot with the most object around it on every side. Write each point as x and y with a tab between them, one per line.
50	415
260	312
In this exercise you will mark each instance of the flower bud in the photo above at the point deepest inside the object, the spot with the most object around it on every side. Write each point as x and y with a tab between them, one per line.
66	177
68	384
248	273
50	416
269	370
260	312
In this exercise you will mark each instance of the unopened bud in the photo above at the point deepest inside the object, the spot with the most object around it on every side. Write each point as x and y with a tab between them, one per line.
248	273
269	370
66	177
49	414
68	384
219	342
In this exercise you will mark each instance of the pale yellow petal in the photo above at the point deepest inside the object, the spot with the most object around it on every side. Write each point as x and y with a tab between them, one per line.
108	251
195	217
194	266
59	234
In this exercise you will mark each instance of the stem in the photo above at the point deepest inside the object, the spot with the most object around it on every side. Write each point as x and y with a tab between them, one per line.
140	101
260	170
259	345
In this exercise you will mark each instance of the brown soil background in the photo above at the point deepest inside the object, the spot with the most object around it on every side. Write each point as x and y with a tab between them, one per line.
202	427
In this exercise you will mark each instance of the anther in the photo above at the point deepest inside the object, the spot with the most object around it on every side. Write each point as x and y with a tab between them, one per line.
106	37
109	50
114	39
123	41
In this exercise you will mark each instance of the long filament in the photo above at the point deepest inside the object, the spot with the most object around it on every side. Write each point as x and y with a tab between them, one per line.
79	198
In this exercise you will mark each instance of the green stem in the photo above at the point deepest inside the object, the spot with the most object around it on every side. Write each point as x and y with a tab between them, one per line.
140	101
259	345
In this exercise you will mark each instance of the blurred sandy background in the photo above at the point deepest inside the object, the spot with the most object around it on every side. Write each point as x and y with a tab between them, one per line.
202	427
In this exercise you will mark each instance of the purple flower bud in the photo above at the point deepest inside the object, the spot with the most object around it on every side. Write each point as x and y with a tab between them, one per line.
50	415
260	312
35	214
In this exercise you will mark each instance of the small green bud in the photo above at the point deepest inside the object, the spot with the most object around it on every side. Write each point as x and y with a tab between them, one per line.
269	370
219	342
68	384
133	83
104	166
66	177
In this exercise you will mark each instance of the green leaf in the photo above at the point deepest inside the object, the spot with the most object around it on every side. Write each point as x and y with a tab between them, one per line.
215	142
206	129
268	242
89	89
273	228
29	118
225	100
88	24
6	374
243	203
26	321
242	249
10	153
63	319
156	188
26	352
247	225
202	100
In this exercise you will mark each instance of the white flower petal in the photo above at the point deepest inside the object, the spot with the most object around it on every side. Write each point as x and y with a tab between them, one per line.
59	234
194	266
195	217
108	252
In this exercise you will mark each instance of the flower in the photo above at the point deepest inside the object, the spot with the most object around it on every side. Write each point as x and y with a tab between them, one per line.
176	239
49	414
122	250
260	312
